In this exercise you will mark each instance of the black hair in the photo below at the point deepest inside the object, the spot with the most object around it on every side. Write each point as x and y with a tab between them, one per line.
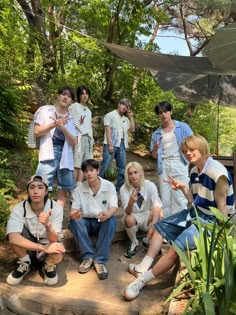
89	163
67	89
163	106
80	90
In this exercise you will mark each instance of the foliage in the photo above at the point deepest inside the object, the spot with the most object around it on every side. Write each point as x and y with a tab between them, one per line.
4	215
211	269
12	121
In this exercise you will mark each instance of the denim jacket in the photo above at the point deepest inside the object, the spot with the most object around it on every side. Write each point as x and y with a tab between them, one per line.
182	131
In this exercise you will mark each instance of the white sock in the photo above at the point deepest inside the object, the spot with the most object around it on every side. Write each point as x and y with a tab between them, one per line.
26	258
148	276
132	233
145	264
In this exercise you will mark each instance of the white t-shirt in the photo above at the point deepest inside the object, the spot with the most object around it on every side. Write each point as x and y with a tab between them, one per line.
149	193
30	221
91	205
170	145
77	110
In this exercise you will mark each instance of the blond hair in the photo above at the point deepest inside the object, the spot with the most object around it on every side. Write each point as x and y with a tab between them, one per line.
138	168
196	142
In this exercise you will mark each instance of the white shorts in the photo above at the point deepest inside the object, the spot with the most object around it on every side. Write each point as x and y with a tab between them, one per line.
85	152
141	219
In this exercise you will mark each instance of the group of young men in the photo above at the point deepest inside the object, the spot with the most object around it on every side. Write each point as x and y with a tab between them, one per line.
34	227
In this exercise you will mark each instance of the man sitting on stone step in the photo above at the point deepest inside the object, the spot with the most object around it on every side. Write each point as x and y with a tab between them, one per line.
94	203
33	230
210	186
142	206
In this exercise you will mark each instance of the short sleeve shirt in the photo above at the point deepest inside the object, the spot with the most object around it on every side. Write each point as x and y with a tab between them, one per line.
91	205
119	128
149	193
18	220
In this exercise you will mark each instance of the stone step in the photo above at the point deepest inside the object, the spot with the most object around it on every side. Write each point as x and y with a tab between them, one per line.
120	234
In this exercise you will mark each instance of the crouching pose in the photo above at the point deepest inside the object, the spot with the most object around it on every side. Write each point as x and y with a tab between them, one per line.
211	186
33	230
93	207
142	206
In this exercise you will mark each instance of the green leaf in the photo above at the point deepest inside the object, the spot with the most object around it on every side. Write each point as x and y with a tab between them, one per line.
208	304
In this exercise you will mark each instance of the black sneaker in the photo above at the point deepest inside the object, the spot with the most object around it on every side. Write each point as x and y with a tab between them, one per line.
146	242
17	275
131	251
50	273
101	270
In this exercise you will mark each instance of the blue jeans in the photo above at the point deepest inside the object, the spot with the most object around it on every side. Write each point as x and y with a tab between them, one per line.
83	228
119	155
51	169
179	229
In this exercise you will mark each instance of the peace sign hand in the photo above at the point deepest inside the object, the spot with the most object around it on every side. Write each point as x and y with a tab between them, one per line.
176	185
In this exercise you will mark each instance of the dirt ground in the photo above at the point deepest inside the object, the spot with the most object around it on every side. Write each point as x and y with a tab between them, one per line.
85	294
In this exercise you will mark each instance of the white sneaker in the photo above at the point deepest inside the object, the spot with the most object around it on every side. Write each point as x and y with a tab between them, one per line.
134	288
132	269
50	273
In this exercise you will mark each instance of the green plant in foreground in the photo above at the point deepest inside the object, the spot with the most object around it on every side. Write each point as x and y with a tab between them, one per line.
211	269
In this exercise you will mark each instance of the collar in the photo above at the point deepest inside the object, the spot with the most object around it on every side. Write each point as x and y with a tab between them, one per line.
207	165
86	188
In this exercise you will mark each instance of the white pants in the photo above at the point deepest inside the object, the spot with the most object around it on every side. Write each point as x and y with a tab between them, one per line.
173	201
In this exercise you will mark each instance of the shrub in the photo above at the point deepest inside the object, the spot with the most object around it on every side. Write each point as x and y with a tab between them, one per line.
4	215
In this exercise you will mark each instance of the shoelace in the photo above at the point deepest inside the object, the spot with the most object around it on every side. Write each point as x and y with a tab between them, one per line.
23	266
85	261
49	267
138	284
101	268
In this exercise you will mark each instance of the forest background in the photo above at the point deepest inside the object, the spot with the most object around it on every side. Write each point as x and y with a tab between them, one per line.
46	44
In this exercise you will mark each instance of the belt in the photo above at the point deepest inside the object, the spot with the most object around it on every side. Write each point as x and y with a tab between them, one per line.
171	158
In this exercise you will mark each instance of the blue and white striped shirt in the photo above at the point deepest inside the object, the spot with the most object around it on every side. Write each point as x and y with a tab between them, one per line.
203	185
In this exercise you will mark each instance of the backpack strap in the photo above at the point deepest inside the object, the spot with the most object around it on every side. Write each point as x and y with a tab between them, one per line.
24	207
24	203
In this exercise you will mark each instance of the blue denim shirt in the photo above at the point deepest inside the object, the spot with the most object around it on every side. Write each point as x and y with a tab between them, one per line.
182	131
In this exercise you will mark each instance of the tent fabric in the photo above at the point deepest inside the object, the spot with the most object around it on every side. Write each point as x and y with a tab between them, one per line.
166	63
192	79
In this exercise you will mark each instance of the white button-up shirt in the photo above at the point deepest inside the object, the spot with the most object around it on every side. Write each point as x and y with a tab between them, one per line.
90	204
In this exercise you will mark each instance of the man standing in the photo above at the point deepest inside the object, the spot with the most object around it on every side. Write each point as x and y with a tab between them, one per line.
83	121
55	127
165	147
142	206
33	230
93	207
211	186
117	126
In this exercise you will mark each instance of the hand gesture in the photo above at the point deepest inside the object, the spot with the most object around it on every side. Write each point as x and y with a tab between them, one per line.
60	122
55	248
81	120
133	197
130	113
75	214
176	185
44	217
156	146
103	216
